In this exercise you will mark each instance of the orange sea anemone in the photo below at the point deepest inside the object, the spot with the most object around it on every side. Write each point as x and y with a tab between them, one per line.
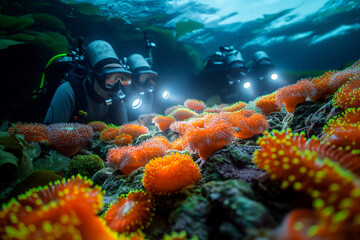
181	114
134	130
181	126
195	105
170	173
97	126
343	130
68	138
348	94
171	109
129	158
130	212
163	122
33	132
267	104
292	95
123	140
340	78
179	144
63	210
322	86
146	119
215	134
109	133
235	107
215	109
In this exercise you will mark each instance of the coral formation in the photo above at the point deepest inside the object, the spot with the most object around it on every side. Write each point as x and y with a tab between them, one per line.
85	165
169	174
130	212
68	138
267	104
33	132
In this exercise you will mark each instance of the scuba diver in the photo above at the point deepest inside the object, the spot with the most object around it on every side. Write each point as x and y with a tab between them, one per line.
227	74
93	90
142	87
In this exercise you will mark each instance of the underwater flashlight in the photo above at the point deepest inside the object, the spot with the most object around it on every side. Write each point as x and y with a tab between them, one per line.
136	103
166	95
274	76
247	84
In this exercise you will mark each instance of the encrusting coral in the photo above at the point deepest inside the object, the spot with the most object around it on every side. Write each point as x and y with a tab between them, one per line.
169	174
62	210
130	212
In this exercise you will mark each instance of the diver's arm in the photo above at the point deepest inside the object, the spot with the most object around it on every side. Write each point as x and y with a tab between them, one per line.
62	105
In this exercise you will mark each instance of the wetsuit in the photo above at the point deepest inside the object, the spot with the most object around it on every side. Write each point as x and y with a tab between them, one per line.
63	106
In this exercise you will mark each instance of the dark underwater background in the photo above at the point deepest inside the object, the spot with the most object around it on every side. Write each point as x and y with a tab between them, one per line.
302	38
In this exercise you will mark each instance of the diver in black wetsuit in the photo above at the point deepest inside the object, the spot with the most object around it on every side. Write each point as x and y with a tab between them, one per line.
142	87
100	96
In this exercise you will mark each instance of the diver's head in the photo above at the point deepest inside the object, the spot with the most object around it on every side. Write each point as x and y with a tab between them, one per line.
106	68
142	74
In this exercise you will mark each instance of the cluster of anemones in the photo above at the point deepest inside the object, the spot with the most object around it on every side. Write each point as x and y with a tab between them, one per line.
62	210
323	172
67	138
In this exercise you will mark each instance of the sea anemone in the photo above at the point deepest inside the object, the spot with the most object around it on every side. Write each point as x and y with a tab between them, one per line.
322	86
134	130
182	126
170	173
68	138
215	134
292	95
235	107
123	140
129	158
343	130
33	132
215	109
348	94
130	212
109	133
267	104
181	114
97	126
312	167
163	122
63	210
195	105
171	109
